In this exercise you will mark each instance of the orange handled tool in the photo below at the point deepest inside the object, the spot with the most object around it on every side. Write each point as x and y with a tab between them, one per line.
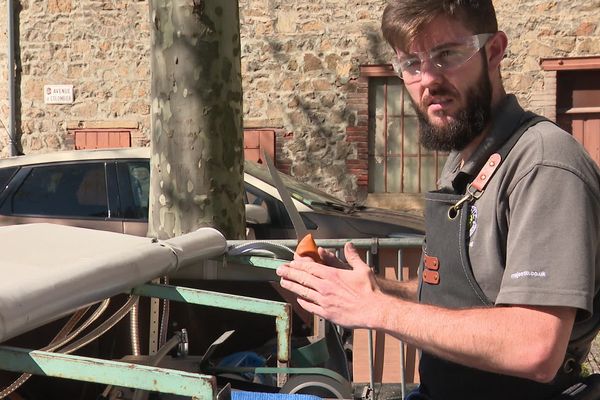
308	248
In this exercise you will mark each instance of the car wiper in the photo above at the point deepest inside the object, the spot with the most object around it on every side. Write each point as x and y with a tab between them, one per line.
354	207
331	204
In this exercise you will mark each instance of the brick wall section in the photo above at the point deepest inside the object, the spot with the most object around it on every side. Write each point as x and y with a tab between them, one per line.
544	29
358	135
300	70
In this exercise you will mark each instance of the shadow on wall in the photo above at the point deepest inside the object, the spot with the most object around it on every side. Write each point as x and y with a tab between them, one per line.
379	51
317	116
18	8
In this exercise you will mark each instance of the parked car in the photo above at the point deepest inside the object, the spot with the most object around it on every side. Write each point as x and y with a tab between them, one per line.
108	190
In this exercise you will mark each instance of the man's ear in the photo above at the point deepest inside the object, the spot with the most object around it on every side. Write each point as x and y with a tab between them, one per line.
496	50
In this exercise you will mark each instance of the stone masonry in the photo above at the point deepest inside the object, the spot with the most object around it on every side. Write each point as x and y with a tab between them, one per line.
300	65
100	47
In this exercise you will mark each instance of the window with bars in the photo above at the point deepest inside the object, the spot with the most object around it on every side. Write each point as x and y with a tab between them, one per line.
397	162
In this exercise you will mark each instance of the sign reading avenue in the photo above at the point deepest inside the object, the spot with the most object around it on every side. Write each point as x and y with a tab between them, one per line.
58	94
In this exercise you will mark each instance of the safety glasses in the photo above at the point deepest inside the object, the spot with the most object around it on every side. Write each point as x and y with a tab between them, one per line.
445	57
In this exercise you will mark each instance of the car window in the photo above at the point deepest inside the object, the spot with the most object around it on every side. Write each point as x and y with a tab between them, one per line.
259	198
5	175
277	213
72	190
139	173
134	184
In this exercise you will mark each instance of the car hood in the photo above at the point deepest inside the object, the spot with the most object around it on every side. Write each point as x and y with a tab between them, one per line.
367	219
407	219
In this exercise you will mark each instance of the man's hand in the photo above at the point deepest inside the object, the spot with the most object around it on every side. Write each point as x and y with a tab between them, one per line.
524	341
336	294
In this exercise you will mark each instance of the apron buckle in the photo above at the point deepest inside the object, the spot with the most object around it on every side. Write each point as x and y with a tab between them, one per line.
472	194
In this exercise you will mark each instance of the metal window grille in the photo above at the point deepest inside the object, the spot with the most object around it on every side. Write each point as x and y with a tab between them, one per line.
397	162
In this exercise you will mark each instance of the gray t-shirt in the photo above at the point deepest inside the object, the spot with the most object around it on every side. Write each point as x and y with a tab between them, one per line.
534	235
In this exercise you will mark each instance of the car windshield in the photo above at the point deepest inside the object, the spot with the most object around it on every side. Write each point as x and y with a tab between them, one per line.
298	190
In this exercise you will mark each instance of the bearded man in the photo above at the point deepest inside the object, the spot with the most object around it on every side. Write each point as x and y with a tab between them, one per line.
506	303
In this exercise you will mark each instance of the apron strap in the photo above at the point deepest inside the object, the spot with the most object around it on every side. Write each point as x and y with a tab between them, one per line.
476	188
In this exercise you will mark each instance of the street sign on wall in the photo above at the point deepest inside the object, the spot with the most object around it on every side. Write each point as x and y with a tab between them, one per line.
58	94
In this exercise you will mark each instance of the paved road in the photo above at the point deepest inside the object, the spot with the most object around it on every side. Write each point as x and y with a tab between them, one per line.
387	391
593	361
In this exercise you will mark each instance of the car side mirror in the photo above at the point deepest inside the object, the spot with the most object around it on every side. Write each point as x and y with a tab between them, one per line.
257	215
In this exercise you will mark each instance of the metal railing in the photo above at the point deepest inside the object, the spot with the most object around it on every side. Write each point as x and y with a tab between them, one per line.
378	254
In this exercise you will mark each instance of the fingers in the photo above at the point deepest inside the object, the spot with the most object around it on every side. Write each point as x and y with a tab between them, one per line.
301	284
307	297
312	308
353	257
330	259
298	268
303	291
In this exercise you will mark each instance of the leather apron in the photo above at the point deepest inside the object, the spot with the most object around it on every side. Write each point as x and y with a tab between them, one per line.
447	280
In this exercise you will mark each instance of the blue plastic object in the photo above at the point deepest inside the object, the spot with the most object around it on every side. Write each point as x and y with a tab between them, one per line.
238	395
243	359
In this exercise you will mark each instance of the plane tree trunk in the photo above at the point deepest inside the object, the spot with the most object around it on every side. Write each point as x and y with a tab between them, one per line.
197	144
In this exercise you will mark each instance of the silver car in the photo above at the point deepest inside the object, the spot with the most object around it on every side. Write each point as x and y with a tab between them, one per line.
108	190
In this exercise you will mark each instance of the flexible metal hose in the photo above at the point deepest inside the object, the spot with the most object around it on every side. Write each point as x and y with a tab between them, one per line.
164	320
97	313
134	332
103	327
262	248
64	336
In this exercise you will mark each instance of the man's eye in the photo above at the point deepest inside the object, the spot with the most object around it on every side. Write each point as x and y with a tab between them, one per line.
410	64
447	55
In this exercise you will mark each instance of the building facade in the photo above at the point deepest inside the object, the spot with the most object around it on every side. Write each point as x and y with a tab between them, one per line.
318	88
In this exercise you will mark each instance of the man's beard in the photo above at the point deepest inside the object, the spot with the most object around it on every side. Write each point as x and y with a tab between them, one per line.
468	124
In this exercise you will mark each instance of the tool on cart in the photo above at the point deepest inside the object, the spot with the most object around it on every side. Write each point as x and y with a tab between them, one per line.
308	248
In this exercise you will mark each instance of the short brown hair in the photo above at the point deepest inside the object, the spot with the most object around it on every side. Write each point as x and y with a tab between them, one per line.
403	19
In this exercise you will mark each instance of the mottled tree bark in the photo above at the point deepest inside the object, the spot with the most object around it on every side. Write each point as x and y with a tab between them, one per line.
197	148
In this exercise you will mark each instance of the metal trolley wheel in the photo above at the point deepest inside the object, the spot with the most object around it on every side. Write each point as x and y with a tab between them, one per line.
318	385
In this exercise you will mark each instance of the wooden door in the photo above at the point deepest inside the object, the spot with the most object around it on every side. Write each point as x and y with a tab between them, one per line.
257	141
586	129
578	107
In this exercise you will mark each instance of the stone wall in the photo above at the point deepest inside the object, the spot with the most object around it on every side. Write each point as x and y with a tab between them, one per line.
544	29
300	63
300	68
100	47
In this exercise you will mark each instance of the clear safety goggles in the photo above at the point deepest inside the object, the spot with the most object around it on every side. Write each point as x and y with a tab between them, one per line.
445	57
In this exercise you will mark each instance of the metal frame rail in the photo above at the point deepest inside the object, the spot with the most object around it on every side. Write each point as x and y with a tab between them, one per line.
108	372
372	247
158	379
281	311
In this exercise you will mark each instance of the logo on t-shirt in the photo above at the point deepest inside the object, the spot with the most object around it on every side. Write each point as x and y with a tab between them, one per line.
472	224
528	274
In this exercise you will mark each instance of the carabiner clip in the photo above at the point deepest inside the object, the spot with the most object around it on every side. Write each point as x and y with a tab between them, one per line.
470	196
453	210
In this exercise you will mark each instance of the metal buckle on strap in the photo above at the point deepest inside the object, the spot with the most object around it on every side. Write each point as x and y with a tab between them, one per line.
472	194
476	188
